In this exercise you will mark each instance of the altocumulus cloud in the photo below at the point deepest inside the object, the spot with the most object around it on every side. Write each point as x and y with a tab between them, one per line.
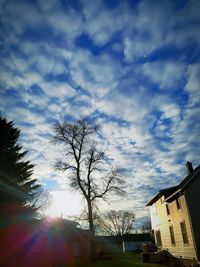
133	66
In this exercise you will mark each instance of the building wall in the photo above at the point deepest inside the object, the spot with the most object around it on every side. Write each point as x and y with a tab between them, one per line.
162	221
85	248
193	202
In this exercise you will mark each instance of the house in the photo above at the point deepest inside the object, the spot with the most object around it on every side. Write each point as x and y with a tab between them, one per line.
175	217
45	242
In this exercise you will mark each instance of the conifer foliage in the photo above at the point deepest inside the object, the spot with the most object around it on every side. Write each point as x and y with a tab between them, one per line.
17	189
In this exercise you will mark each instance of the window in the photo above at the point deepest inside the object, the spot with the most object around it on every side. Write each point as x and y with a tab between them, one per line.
167	209
184	232
158	238
171	230
178	204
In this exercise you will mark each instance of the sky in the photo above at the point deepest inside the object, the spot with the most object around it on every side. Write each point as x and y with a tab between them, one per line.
132	66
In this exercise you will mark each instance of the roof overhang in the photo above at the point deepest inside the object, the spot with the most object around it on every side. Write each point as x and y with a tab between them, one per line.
154	199
174	195
164	192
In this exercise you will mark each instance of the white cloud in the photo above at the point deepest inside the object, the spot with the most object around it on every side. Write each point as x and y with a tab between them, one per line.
147	29
167	74
193	84
146	130
169	111
67	23
21	114
99	21
48	6
46	65
45	57
133	106
184	27
19	16
97	75
59	90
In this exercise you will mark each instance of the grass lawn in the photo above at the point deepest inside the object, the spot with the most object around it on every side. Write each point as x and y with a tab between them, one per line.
126	260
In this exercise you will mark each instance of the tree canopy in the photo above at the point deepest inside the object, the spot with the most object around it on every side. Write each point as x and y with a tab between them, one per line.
85	163
17	189
116	222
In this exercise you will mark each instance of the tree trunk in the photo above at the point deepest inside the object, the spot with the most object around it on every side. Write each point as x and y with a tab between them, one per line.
91	225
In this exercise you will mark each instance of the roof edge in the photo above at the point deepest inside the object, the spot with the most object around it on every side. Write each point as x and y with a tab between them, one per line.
160	194
153	200
177	189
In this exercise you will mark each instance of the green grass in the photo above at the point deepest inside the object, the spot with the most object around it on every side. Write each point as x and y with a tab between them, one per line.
125	260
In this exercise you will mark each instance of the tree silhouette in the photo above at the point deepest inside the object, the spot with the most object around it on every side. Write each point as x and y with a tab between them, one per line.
84	163
18	191
116	222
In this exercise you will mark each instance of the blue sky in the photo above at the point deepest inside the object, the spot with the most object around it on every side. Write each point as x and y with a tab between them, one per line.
132	66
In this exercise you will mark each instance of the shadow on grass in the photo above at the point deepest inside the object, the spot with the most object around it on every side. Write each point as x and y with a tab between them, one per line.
124	260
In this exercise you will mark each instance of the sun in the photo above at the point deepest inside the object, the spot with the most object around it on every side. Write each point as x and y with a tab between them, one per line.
63	204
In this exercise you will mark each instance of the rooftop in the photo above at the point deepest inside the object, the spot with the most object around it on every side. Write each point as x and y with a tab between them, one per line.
171	192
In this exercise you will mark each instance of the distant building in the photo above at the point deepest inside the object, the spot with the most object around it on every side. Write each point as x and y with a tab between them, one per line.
175	216
124	243
135	242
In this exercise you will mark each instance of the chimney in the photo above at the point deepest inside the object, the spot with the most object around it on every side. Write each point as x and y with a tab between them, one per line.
189	167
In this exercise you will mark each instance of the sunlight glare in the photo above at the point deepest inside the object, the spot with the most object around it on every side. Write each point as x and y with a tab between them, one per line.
63	204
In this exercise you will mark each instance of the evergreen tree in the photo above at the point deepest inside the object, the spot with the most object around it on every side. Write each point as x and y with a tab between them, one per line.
17	189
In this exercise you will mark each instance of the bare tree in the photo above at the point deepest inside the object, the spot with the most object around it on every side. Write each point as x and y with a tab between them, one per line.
85	164
116	222
82	218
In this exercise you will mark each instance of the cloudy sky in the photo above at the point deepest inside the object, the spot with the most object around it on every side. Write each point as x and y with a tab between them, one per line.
132	66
